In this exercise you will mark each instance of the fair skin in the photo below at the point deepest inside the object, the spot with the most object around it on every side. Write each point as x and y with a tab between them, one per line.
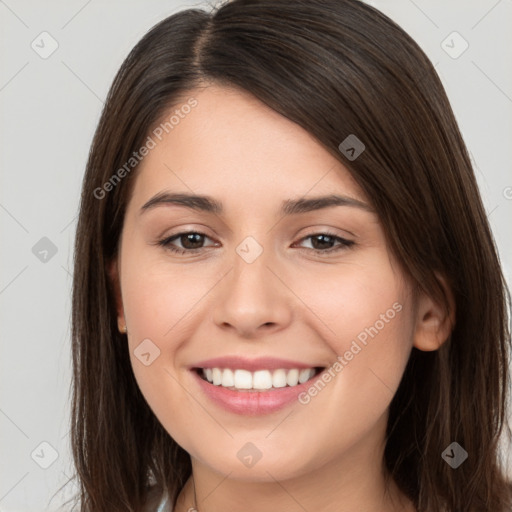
291	302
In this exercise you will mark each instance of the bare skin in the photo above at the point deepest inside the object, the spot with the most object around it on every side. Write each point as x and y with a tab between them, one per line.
291	302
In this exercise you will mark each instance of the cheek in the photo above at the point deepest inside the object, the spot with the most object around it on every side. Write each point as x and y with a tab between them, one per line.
159	302
159	296
157	299
370	332
363	314
351	298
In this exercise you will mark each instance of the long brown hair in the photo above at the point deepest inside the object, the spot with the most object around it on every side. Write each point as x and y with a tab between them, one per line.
334	67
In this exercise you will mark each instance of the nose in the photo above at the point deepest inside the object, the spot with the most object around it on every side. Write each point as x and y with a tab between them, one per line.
252	300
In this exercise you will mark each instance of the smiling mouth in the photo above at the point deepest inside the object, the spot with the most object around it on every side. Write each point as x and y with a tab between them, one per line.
260	380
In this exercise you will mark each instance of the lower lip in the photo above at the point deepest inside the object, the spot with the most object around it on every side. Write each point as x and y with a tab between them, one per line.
253	403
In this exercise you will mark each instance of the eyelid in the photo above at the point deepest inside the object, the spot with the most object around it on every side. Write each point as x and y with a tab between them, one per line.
186	228
317	229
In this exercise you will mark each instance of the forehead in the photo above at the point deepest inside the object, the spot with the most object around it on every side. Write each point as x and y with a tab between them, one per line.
232	145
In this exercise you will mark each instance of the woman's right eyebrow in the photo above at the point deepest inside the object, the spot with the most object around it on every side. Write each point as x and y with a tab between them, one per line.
192	201
208	204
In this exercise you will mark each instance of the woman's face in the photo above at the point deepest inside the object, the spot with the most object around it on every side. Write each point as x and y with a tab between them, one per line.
260	282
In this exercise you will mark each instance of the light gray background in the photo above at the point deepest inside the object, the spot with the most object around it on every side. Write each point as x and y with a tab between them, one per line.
49	110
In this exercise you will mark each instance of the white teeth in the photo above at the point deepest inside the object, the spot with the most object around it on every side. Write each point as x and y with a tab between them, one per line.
243	379
217	376
279	379
259	380
292	378
304	375
262	379
228	378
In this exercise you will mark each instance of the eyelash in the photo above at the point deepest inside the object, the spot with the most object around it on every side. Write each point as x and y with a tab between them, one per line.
344	244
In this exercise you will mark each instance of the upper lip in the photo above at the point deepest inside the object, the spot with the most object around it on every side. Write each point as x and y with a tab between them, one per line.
252	365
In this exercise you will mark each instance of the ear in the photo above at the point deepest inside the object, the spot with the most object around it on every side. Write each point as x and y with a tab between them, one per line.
113	273
434	324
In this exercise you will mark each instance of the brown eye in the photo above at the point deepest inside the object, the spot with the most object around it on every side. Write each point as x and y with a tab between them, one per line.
322	241
327	242
190	241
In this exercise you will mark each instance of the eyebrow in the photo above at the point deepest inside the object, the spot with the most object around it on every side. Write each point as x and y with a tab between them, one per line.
289	207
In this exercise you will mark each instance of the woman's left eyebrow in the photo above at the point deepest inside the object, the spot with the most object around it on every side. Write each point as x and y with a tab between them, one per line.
289	207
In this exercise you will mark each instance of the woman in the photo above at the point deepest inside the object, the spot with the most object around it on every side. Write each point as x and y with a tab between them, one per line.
286	292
